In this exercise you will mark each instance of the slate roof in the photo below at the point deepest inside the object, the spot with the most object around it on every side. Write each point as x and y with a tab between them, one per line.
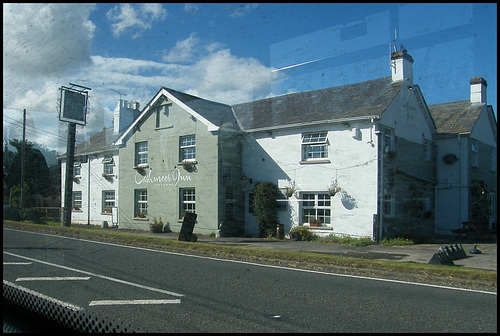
100	142
456	117
364	99
217	113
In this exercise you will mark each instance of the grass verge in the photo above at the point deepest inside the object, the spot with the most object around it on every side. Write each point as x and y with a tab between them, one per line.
435	274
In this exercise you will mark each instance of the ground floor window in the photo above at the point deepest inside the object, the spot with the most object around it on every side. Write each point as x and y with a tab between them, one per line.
141	203
316	207
77	200
187	201
230	202
108	201
388	205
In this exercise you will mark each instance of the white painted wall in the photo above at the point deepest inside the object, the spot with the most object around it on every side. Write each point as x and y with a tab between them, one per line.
97	185
353	163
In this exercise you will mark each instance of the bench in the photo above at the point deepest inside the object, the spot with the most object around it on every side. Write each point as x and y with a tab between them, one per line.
480	229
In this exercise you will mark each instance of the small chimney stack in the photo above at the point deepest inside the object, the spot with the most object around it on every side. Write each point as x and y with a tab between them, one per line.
124	114
478	90
401	66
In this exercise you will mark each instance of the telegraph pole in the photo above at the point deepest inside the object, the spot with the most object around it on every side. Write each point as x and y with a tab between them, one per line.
70	162
23	159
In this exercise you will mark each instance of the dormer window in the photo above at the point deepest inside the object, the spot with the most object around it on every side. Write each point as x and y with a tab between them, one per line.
108	165
77	169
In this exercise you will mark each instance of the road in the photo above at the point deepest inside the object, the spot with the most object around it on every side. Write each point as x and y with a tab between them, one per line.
158	291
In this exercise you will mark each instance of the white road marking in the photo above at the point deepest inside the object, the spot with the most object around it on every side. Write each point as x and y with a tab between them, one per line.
131	302
16	263
97	275
52	278
43	296
263	265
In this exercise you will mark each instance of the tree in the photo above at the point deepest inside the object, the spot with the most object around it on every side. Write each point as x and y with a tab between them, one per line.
266	207
36	173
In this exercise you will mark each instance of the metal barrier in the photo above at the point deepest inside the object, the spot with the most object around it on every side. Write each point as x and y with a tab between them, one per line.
446	255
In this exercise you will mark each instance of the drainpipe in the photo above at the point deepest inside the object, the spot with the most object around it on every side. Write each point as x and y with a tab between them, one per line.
88	191
380	185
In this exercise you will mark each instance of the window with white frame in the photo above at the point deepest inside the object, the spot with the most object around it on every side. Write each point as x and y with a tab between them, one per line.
108	200
77	169
187	201
141	153
316	207
141	203
108	164
314	146
77	200
475	154
187	147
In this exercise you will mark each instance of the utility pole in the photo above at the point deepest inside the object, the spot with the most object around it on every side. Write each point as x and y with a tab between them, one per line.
70	163
23	159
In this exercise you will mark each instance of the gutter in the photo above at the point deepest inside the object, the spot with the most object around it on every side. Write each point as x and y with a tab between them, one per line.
312	123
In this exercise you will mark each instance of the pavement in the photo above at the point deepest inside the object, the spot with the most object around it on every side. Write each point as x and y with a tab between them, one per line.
419	253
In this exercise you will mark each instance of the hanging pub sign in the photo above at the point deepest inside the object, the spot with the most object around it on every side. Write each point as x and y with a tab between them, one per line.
73	106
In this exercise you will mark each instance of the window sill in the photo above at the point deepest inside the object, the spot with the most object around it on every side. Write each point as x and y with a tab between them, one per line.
329	228
315	161
106	213
141	166
140	219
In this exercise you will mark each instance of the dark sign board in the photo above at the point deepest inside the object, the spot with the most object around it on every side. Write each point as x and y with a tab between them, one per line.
73	106
187	226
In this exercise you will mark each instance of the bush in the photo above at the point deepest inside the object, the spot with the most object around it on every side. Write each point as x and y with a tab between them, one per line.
266	207
302	233
32	215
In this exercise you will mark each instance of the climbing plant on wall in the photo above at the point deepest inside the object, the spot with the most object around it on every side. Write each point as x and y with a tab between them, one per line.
266	207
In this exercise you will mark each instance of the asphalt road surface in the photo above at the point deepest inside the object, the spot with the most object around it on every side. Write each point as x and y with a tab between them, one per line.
158	291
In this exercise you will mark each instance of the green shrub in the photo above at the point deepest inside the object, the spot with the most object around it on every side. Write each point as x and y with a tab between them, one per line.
32	215
302	233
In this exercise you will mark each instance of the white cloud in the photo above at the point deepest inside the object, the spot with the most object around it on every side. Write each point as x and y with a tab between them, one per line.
139	17
51	48
242	10
45	39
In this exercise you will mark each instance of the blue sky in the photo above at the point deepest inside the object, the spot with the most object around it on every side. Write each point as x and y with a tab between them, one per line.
230	53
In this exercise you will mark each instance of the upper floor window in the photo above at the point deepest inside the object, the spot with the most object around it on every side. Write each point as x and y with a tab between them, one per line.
314	146
389	141
77	169
108	165
475	154
187	146
141	153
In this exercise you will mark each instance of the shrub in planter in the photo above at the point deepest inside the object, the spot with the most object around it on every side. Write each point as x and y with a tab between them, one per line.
156	226
302	233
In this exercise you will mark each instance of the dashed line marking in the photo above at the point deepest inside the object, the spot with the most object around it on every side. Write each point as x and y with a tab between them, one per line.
52	278
131	302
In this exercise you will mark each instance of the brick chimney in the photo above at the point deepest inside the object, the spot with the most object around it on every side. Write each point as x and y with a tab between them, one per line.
478	90
124	114
401	66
